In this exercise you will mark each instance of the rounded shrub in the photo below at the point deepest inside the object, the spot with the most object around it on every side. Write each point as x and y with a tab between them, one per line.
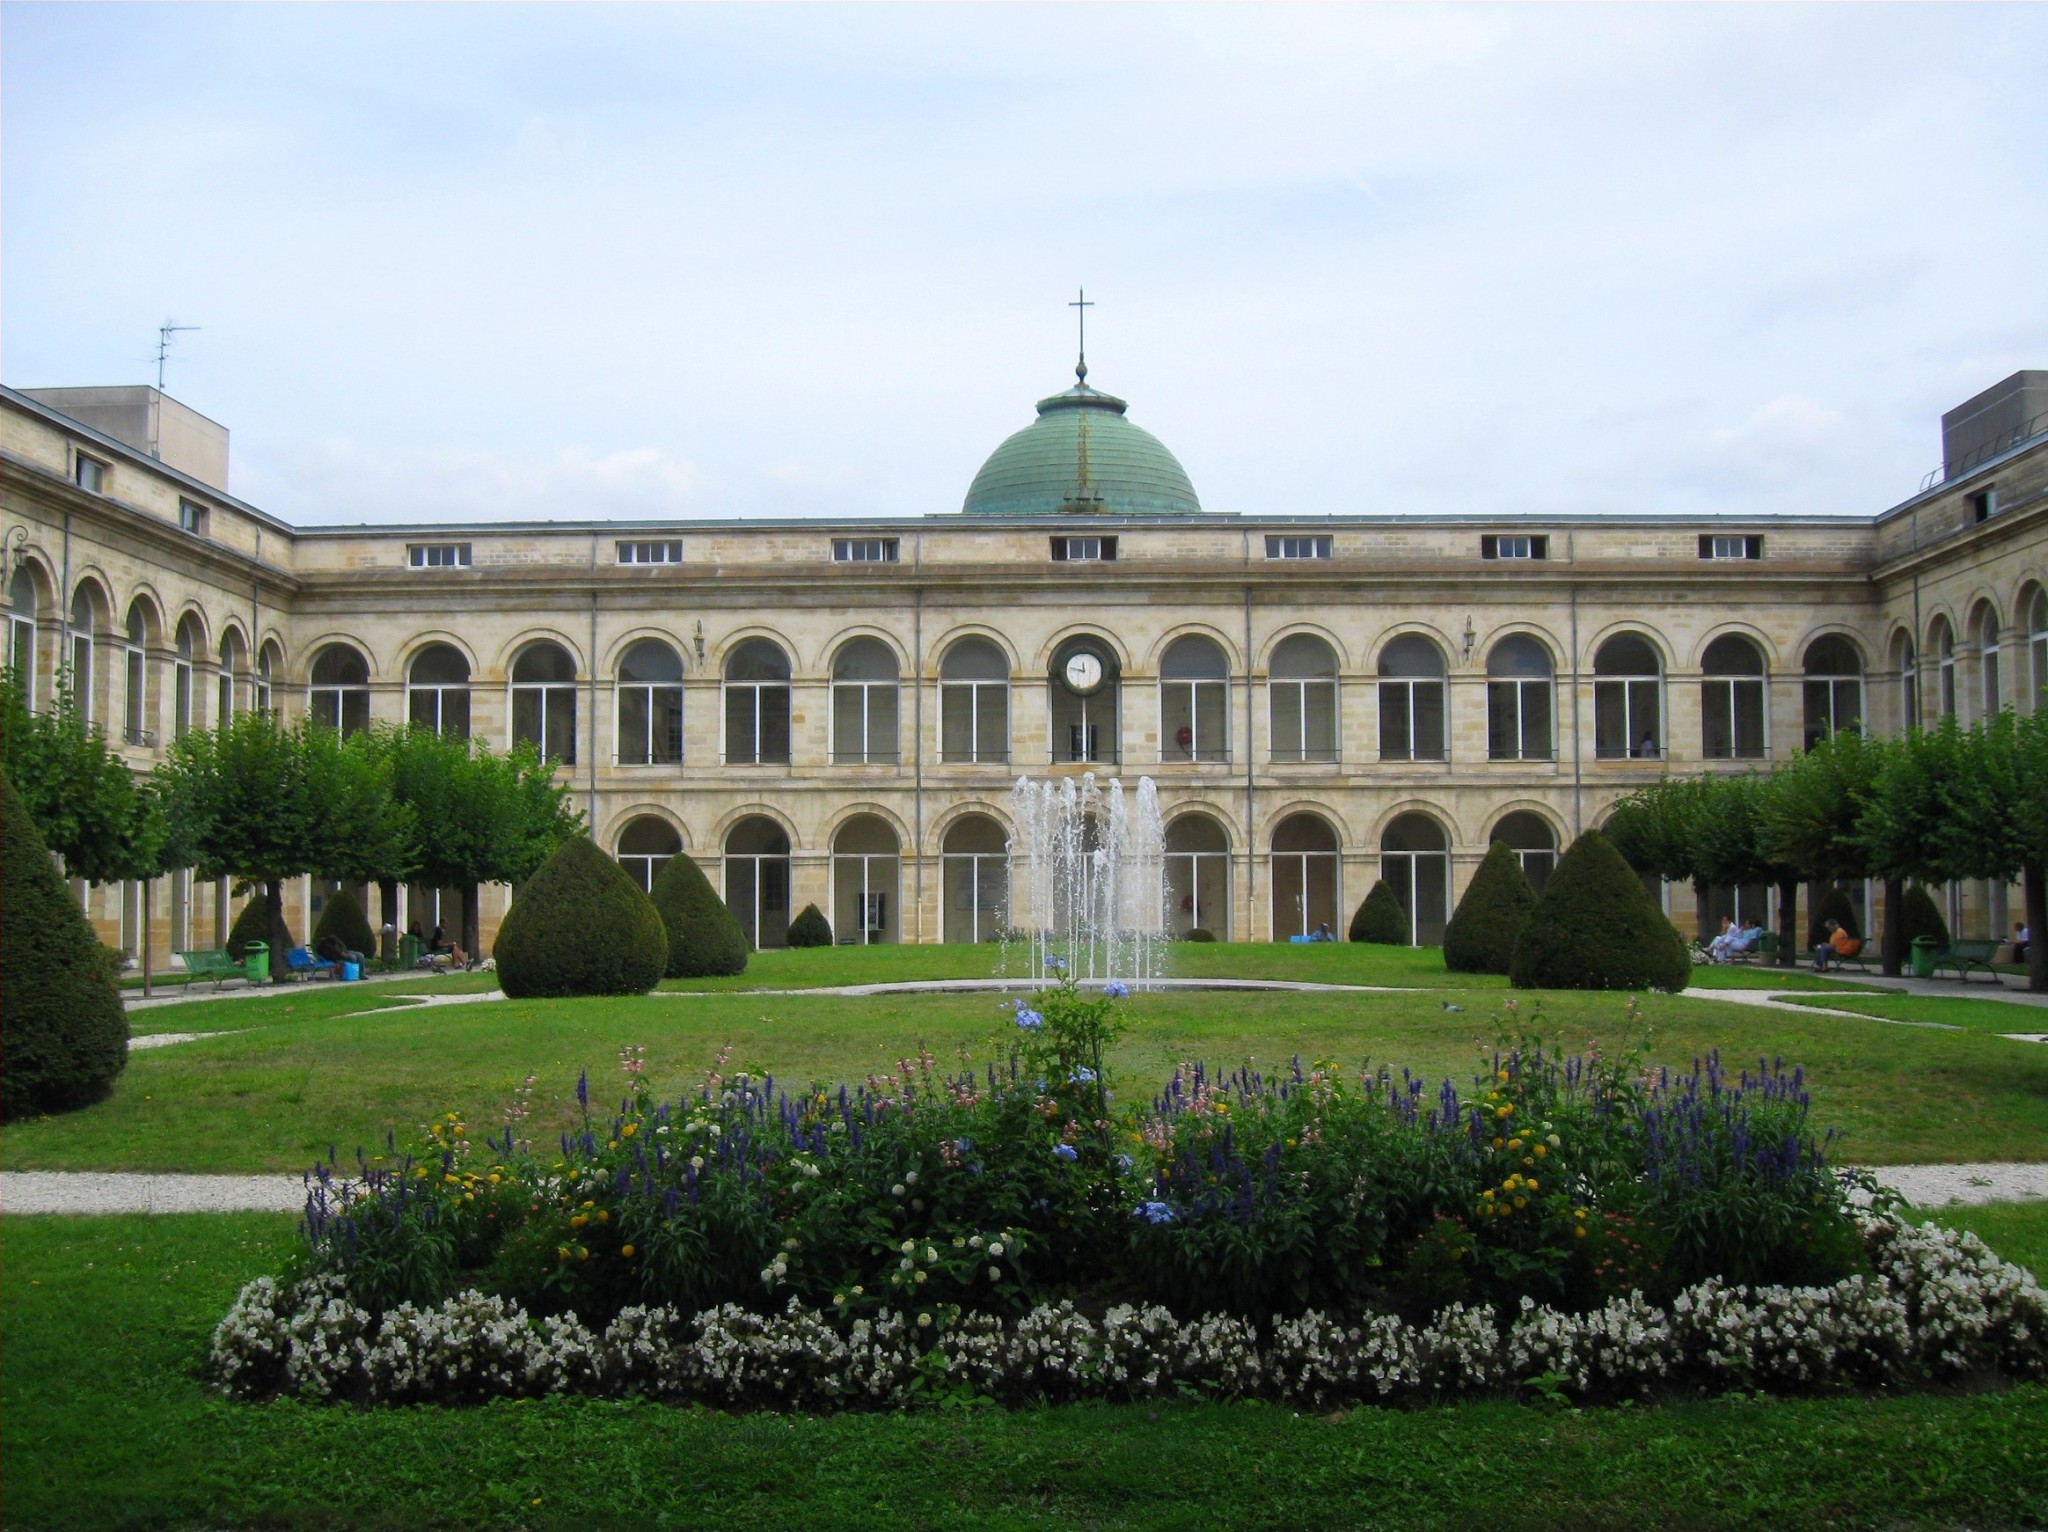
63	1034
1380	918
253	925
1198	934
1921	916
704	940
1834	904
343	918
1595	927
810	928
1483	928
580	926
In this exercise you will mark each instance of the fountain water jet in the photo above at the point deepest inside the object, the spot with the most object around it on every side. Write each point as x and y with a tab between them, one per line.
1088	878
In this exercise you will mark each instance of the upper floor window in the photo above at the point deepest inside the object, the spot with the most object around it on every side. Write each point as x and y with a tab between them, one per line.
21	632
338	690
1411	700
1833	688
437	691
1086	685
1907	662
190	645
657	552
757	705
1628	696
2037	645
1518	700
135	728
1082	550
438	555
233	665
974	704
1987	660
192	517
1289	545
1732	700
863	550
1194	701
1984	503
1302	683
89	473
864	680
1517	545
1943	642
650	705
1730	545
544	702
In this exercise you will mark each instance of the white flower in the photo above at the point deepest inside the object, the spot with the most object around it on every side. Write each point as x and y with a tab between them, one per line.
995	1247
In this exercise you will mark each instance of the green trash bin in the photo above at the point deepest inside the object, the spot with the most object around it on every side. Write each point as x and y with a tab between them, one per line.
1924	950
409	950
256	963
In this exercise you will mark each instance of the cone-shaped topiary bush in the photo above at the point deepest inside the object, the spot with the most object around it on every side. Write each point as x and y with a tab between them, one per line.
343	917
1922	917
580	926
1834	904
1497	902
704	940
253	925
1595	927
810	928
63	1035
1380	918
1198	934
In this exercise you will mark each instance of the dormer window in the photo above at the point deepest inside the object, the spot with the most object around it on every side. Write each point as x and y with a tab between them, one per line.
1083	550
1293	546
1514	546
438	555
1983	504
192	517
864	550
89	474
659	552
1725	545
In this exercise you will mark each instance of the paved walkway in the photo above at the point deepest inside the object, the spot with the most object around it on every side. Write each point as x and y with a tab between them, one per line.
181	994
58	1191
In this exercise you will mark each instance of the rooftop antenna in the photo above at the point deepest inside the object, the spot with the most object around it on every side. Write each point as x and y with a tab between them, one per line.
1082	304
164	332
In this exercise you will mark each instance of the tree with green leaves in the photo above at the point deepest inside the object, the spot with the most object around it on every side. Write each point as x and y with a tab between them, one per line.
1380	918
2030	831
1656	829
1733	850
79	793
1812	813
1905	824
1990	781
1496	904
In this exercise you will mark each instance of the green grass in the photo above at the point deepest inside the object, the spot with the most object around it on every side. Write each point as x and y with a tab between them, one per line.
1755	976
296	1077
1985	1015
105	1321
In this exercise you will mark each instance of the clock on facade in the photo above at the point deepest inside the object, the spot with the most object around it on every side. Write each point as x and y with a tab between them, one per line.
1084	673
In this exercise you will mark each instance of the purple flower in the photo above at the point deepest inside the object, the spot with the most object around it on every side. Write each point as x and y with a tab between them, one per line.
1029	1019
1065	1152
1116	989
1155	1212
1082	1076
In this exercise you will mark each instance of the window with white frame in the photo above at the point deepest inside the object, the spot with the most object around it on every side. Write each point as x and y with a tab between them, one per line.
757	705
1906	661
1302	687
864	550
1833	688
1517	545
338	694
1083	550
1991	683
1412	673
183	668
192	517
1194	701
89	473
1197	868
2037	644
974	871
21	633
544	702
650	705
263	691
1732	691
1943	641
1297	545
1520	685
658	551
233	661
437	555
1628	696
974	704
1731	545
135	677
864	705
646	846
437	691
80	655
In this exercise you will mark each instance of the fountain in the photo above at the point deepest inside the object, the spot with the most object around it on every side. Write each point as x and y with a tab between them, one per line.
1088	878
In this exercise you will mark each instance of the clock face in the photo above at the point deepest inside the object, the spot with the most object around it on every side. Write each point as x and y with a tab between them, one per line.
1084	673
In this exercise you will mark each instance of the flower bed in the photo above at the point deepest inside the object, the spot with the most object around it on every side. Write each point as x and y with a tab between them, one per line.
1579	1223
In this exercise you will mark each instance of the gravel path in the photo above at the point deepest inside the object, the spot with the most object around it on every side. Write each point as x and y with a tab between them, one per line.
60	1191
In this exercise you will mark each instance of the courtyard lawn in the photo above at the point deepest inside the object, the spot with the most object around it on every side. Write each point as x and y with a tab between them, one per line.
301	1002
1976	1015
106	1321
295	1078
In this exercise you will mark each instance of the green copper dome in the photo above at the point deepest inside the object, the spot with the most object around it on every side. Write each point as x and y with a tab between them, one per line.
1081	457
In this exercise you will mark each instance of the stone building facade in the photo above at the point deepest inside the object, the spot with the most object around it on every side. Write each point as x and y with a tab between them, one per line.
834	711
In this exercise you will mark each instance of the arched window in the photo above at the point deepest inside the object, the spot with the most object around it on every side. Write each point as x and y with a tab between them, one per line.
1907	663
437	691
1412	708
1194	701
1198	876
1533	842
268	663
647	845
974	704
1942	640
757	706
1732	713
1993	690
1518	696
2037	644
650	705
975	873
21	633
190	643
1628	696
1302	684
1415	859
234	666
338	693
1086	686
864	705
1304	877
1834	688
544	702
757	880
80	645
135	676
866	882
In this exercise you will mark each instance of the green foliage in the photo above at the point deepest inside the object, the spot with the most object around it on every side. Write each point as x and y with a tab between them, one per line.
63	1034
254	924
1198	934
80	795
1814	811
1380	918
704	939
810	928
1835	904
580	926
1921	916
1654	828
1481	935
343	919
1595	928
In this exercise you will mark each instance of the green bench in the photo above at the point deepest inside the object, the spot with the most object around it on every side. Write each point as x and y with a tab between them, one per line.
1963	956
215	965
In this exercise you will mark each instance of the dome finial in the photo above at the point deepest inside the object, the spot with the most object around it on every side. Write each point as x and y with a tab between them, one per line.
1081	305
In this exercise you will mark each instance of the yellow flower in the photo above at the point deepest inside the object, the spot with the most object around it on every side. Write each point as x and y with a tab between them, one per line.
1530	1183
578	1221
562	1252
629	1130
1502	1076
626	1251
582	1254
1579	1232
604	1215
1500	1143
1541	1151
1521	1202
1515	1144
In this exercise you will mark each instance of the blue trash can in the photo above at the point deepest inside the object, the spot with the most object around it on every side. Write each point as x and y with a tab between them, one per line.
351	971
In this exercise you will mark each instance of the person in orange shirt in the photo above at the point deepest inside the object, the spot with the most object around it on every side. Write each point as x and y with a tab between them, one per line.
1840	944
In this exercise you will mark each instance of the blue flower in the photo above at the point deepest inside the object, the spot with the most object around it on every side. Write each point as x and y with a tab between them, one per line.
1029	1019
1081	1077
1155	1212
1065	1152
1056	964
1116	989
1123	1162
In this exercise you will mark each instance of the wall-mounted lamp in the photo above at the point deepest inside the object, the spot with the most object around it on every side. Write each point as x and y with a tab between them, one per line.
1471	636
700	641
17	544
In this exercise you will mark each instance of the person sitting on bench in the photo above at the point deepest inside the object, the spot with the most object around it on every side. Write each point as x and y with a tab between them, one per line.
1839	945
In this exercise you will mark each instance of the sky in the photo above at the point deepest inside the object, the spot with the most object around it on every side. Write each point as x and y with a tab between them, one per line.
484	262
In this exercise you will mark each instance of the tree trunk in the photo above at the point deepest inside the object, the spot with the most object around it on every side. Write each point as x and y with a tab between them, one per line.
387	907
1788	922
1894	927
1702	912
280	938
143	946
2034	879
472	920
